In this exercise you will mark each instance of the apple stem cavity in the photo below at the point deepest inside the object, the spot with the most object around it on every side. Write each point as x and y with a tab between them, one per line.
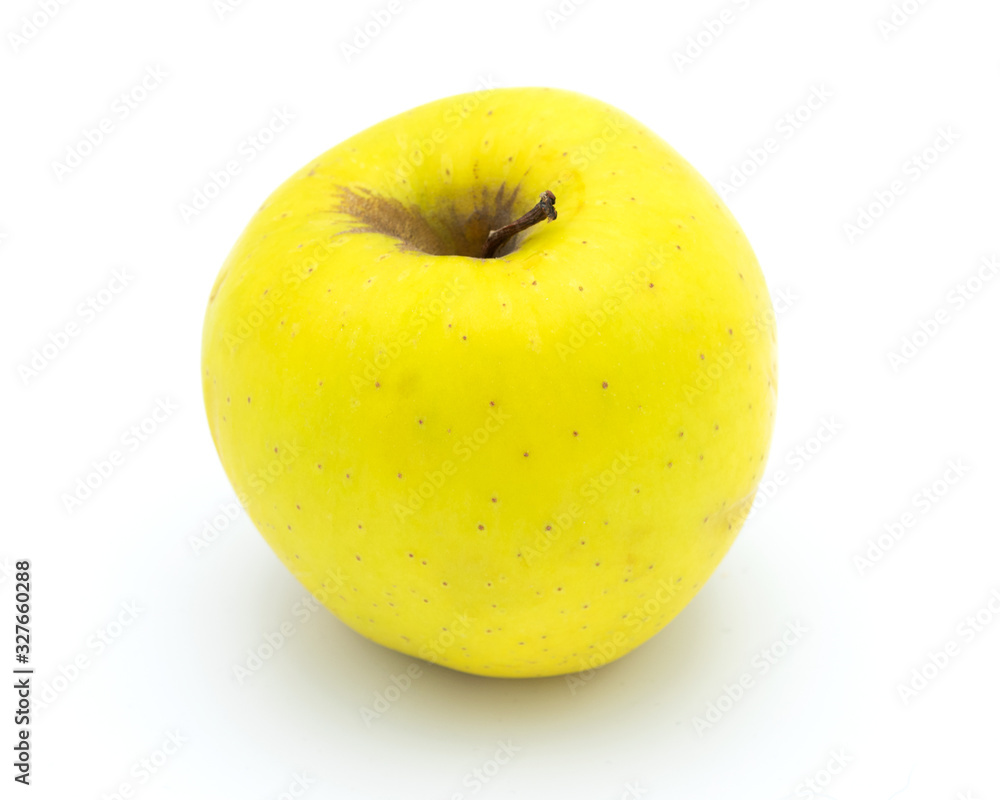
544	210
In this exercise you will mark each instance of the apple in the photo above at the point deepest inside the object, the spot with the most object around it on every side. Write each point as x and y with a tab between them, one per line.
496	381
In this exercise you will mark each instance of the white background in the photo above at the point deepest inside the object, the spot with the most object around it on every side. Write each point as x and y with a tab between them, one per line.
849	301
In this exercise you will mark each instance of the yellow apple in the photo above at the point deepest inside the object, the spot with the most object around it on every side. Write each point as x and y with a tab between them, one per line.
514	466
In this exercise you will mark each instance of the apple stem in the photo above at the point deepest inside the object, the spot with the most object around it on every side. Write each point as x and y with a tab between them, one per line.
544	209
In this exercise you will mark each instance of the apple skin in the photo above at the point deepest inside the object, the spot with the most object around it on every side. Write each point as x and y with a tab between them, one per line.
521	466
